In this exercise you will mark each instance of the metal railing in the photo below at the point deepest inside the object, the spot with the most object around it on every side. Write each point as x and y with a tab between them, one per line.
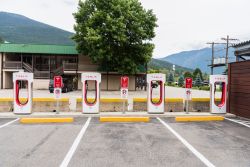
69	66
82	67
27	67
12	65
41	74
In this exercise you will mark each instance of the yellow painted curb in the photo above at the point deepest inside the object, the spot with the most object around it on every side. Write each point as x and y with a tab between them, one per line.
173	100
35	99
157	99
104	100
49	100
46	120
139	100
124	119
199	118
204	99
6	99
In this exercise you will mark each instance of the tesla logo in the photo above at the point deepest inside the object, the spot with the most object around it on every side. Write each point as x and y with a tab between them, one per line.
157	77
90	76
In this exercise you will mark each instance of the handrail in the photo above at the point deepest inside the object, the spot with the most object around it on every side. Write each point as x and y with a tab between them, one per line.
27	67
69	66
12	65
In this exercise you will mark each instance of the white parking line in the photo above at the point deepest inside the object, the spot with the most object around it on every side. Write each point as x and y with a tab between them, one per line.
238	121
8	123
189	146
75	144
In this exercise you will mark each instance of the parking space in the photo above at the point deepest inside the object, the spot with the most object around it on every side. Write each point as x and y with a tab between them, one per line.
131	144
38	144
222	143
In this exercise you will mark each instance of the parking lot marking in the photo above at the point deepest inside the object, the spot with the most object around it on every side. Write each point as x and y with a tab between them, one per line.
75	144
189	146
8	123
239	122
124	119
198	118
46	120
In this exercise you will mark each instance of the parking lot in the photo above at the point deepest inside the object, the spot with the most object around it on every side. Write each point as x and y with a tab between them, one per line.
88	142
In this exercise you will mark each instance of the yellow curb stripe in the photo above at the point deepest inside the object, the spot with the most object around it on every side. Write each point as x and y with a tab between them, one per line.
50	100
46	120
157	99
104	100
173	100
6	99
203	99
124	119
199	118
35	99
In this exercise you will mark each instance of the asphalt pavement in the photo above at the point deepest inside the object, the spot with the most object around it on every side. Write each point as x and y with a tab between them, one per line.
161	142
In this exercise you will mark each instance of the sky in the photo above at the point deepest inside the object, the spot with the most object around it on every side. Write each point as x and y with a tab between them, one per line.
182	24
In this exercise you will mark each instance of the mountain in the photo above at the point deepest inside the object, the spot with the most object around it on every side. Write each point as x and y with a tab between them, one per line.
16	28
160	64
199	58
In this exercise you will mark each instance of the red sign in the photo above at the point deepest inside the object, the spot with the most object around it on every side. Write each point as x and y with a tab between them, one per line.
58	82
124	82
188	82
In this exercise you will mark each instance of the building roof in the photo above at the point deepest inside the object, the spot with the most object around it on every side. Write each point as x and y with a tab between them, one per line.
38	49
241	44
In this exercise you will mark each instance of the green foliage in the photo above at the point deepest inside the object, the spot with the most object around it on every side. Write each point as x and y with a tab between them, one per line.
153	71
170	78
198	81
115	33
196	72
181	81
188	74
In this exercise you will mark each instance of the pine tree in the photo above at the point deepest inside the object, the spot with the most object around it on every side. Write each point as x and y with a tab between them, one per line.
198	81
170	78
181	81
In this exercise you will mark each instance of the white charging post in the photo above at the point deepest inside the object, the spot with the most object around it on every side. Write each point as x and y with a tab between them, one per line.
58	84
156	82
188	86
124	91
23	106
218	82
90	106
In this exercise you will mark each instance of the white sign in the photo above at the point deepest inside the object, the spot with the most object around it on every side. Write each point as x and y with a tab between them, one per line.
57	93
124	93
188	94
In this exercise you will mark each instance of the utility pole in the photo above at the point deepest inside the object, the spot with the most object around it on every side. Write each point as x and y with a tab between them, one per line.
227	39
212	61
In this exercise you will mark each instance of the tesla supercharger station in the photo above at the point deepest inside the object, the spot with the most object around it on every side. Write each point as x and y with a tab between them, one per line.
20	106
90	106
218	82
156	82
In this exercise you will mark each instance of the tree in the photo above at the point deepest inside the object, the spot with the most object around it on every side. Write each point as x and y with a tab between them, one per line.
198	81
116	34
188	75
170	78
181	81
197	71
